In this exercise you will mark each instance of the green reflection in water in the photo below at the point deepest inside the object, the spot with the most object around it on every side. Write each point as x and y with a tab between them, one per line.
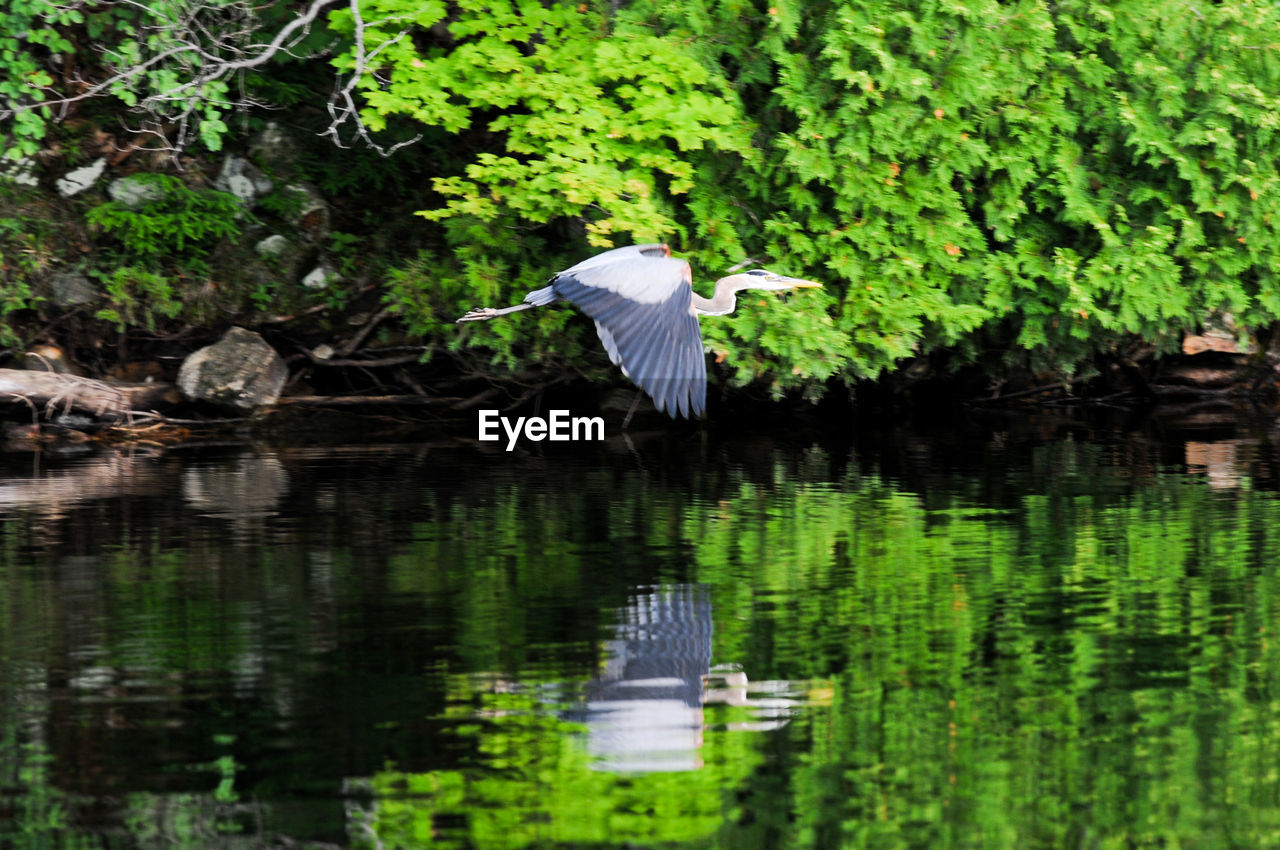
536	785
1065	653
1084	667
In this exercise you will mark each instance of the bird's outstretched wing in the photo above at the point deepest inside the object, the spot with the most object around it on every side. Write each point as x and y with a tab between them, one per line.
641	301
619	255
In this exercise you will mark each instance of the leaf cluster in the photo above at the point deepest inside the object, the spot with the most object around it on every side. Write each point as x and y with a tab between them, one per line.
30	32
163	237
1028	180
575	123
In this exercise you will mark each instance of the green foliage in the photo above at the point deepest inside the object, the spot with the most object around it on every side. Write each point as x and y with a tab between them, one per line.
1055	178
592	127
174	222
578	124
161	54
21	259
1025	183
427	290
345	250
29	32
138	297
170	63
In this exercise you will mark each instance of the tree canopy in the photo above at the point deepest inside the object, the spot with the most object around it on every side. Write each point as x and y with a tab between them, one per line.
1022	185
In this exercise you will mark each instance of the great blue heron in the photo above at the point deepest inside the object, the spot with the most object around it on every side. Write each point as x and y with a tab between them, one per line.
646	314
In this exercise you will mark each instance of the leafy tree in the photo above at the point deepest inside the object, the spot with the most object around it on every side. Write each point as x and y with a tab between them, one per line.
591	125
575	116
1024	183
1055	177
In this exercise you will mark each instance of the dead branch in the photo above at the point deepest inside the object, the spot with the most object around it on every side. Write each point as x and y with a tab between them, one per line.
349	347
396	360
361	400
54	393
477	399
198	52
342	105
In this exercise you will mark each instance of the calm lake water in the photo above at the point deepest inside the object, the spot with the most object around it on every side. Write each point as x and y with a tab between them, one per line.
1004	633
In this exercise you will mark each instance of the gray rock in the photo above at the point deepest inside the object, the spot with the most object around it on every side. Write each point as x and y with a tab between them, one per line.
134	191
281	260
75	182
240	371
69	289
274	247
243	179
321	276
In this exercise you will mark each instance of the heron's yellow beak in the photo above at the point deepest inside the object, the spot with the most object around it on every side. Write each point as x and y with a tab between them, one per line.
794	282
767	280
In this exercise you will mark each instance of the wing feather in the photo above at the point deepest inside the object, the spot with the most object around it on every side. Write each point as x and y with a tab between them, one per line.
610	346
642	278
673	362
682	362
656	341
618	255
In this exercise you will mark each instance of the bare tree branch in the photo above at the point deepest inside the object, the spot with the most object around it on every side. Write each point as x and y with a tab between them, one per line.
221	66
342	106
208	47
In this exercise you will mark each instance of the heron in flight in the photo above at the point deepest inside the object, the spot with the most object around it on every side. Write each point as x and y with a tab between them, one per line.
646	314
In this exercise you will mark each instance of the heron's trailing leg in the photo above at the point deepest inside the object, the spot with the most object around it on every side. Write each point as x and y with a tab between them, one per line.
481	314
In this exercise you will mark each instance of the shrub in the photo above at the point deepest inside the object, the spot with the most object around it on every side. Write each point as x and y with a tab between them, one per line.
138	297
174	223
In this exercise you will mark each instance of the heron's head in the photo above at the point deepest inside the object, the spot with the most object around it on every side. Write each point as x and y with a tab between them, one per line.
765	279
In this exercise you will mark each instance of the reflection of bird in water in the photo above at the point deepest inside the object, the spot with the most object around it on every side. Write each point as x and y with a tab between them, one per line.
644	713
646	314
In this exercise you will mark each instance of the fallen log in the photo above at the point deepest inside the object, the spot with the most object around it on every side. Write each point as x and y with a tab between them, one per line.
51	394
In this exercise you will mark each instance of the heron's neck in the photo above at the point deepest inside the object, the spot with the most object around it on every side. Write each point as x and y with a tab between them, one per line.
721	303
